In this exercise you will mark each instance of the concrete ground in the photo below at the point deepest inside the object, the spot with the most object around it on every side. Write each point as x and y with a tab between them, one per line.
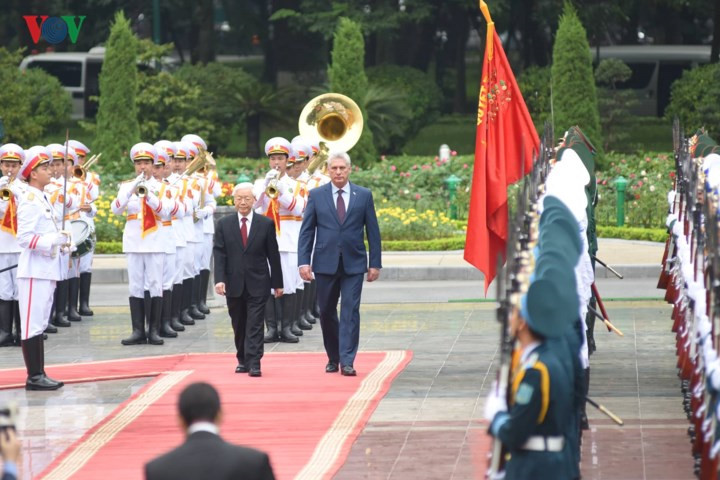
429	425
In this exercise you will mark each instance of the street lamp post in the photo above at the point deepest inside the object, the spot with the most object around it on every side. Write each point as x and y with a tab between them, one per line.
620	184
451	183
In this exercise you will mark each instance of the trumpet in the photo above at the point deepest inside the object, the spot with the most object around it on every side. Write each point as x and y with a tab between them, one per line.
5	192
80	171
272	187
141	189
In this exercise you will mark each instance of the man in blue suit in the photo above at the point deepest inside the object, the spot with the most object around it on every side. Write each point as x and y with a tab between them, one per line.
336	219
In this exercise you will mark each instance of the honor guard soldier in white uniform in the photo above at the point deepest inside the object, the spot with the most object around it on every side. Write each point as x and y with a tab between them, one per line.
302	151
64	201
278	197
204	216
161	169
142	243
39	266
190	199
11	192
90	186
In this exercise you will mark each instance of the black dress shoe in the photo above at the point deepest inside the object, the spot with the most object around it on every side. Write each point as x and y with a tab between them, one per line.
348	371
255	372
241	369
331	367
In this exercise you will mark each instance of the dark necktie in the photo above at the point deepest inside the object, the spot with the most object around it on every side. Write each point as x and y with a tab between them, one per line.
243	231
341	206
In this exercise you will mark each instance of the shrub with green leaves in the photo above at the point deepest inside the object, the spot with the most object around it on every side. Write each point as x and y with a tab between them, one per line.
534	84
573	85
117	127
695	97
614	104
347	76
417	90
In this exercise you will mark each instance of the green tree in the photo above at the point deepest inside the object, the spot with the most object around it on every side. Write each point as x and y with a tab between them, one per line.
347	76
695	97
117	118
614	104
573	85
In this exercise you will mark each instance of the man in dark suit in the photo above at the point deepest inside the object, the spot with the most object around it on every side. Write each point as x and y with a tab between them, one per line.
244	245
336	219
205	455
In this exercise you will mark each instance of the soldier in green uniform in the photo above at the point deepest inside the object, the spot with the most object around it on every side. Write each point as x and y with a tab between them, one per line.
534	429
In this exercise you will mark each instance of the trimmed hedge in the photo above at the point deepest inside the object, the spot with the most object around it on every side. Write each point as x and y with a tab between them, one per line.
632	233
108	248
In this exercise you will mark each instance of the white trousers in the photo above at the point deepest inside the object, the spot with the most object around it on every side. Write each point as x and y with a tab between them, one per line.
35	297
145	272
189	267
207	251
66	266
74	271
290	274
86	261
199	249
8	278
179	265
168	271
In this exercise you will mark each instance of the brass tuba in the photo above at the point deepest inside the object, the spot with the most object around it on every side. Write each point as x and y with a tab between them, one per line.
332	119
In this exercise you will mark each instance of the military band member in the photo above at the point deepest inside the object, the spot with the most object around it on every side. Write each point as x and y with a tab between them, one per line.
278	197
197	238
212	191
65	201
40	264
166	231
11	158
90	186
142	243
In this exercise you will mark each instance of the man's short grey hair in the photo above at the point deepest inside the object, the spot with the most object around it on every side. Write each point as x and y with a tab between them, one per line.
343	155
243	186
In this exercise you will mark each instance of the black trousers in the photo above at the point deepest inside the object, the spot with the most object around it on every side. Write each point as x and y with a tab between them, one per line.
247	314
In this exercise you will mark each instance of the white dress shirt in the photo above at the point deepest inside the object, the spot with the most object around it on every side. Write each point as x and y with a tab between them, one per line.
249	221
345	194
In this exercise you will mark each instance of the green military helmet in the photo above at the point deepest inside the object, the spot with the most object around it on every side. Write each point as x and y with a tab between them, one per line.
704	145
553	266
563	236
542	308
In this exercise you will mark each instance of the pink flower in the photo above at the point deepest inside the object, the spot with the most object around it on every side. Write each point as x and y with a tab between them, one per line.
438	163
393	168
465	165
436	158
415	167
418	196
647	159
623	161
453	153
640	184
632	175
426	167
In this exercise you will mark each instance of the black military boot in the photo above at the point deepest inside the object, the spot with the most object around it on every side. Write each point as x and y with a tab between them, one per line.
289	303
6	323
85	281
202	298
154	319
16	320
137	316
299	313
308	300
590	322
271	322
73	292
584	424
34	355
185	317
60	302
175	307
286	308
165	329
194	294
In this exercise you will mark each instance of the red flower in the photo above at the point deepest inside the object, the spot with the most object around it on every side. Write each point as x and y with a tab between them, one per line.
672	174
637	196
393	168
418	196
453	153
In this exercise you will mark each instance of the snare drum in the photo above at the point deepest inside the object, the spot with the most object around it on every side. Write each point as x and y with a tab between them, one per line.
81	237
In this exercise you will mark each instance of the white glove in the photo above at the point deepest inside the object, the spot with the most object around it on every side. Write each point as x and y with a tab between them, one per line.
271	175
60	239
202	213
703	327
494	403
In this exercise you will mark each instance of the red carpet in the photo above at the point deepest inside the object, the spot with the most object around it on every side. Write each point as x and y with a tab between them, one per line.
304	418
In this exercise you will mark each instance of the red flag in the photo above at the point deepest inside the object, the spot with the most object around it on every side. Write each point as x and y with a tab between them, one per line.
9	221
149	222
505	132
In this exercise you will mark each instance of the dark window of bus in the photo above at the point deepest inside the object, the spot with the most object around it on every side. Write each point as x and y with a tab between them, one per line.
641	75
69	73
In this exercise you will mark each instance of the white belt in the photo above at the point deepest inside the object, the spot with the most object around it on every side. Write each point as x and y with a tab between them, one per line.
544	444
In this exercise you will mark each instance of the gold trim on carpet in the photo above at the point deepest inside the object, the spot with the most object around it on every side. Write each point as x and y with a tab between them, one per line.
330	446
84	451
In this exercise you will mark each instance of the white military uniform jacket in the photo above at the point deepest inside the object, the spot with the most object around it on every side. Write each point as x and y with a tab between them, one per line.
36	231
185	208
291	207
205	207
127	200
214	190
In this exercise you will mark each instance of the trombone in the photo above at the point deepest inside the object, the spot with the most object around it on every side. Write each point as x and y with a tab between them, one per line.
80	171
